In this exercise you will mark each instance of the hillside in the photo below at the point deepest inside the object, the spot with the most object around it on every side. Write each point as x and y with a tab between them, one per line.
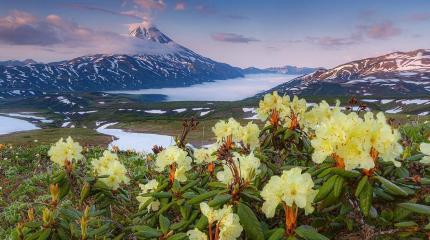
394	74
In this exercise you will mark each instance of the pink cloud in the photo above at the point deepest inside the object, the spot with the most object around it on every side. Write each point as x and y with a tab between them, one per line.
151	4
419	17
180	6
381	30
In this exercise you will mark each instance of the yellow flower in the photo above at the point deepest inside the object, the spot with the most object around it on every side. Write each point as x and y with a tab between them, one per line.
224	129
425	149
230	228
102	164
272	194
296	110
110	165
383	138
249	134
177	156
248	165
319	113
272	102
292	188
356	141
146	188
228	222
63	151
196	234
298	187
205	155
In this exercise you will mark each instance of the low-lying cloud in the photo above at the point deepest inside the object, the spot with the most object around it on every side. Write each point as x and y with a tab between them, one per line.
233	38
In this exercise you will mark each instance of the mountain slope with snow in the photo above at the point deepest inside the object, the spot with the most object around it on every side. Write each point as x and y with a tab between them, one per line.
160	63
394	74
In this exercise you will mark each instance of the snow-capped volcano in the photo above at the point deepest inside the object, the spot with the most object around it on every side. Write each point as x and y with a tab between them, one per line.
146	30
398	73
160	62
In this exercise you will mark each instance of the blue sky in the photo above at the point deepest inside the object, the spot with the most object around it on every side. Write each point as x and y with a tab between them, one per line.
242	33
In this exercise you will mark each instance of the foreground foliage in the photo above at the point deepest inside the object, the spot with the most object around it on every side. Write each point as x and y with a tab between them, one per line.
309	173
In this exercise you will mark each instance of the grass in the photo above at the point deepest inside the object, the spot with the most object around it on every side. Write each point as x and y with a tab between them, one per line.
139	121
50	135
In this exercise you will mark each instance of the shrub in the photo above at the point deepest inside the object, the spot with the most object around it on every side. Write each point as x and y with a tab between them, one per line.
313	173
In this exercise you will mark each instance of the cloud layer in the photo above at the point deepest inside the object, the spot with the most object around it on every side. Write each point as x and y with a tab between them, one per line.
233	37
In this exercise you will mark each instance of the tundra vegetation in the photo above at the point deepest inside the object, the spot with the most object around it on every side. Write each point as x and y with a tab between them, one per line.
304	173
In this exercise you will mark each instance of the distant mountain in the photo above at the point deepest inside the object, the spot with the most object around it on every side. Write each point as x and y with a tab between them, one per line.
394	74
12	63
293	70
163	63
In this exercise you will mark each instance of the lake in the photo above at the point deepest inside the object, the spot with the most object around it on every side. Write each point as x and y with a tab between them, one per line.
219	90
140	142
10	125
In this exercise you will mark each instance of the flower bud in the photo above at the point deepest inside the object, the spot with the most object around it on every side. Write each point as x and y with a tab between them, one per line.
30	214
47	217
55	192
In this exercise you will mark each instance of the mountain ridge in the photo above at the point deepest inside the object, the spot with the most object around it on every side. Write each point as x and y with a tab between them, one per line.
397	73
167	64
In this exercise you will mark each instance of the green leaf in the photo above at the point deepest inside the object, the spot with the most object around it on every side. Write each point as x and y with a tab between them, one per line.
338	186
277	234
162	194
190	185
164	223
415	157
392	187
406	224
326	188
382	194
219	200
365	199
200	198
178	236
45	234
344	173
148	232
250	223
325	172
417	208
202	223
309	233
178	225
361	185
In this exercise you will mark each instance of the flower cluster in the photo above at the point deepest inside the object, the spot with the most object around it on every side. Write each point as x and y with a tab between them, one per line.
320	113
177	160
273	102
293	188
425	149
248	166
355	142
147	188
228	226
205	155
291	112
65	151
247	135
109	165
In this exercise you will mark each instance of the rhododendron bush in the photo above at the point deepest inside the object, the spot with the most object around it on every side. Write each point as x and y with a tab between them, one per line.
300	173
